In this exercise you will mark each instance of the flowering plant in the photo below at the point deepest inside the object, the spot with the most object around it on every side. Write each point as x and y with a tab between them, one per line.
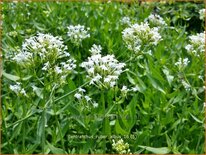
103	71
138	35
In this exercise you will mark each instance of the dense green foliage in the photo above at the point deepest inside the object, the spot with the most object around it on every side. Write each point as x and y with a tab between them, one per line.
164	115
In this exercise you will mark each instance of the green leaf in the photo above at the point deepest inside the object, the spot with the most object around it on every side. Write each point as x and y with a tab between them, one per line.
16	130
131	80
27	77
140	85
73	110
196	119
10	76
168	76
106	127
71	84
119	129
161	150
38	91
75	115
169	142
56	150
155	83
31	148
40	127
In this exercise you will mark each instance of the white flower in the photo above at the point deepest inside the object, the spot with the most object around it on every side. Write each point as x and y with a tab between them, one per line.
182	63
135	89
124	90
42	47
18	89
69	65
77	33
202	14
120	147
58	70
46	66
196	44
23	92
189	47
186	85
78	96
155	20
125	21
102	70
81	90
95	49
95	104
22	57
138	35
87	98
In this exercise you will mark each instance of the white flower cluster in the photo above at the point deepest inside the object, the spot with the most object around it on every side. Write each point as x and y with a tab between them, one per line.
182	63
121	147
186	85
103	71
46	50
156	20
77	33
18	89
81	97
23	57
196	44
124	90
44	46
138	35
202	14
125	21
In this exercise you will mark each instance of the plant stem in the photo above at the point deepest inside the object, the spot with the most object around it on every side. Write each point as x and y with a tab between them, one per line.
6	133
58	125
24	129
43	131
103	111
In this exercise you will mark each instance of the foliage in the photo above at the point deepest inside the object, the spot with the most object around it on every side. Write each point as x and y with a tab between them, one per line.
155	105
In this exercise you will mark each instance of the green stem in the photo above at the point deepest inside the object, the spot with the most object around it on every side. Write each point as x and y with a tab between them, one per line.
6	134
24	129
103	101
103	111
59	128
43	138
43	131
21	120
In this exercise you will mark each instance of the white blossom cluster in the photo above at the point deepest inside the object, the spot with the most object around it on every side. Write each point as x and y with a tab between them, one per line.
182	63
18	89
125	21
124	90
48	51
77	33
196	44
103	71
121	147
138	35
186	85
81	97
23	58
43	46
202	14
156	20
